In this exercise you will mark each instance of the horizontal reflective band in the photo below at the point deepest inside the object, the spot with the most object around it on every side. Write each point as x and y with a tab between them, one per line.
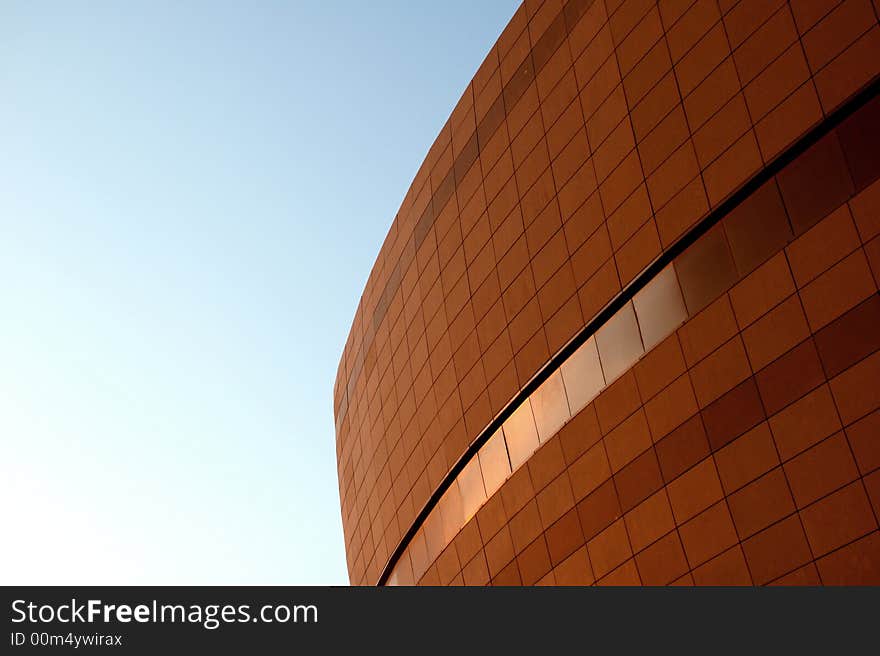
680	282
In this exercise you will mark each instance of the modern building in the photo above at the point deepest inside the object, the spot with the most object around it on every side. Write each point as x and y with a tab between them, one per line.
625	327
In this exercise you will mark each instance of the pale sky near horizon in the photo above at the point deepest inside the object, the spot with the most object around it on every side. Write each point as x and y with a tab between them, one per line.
191	197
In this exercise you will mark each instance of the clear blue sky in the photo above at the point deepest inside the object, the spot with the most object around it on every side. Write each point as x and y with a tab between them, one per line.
191	197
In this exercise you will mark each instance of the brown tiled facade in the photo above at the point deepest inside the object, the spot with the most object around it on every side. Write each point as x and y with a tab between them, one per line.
625	327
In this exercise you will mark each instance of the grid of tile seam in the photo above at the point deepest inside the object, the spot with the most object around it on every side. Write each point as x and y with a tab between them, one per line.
733	491
745	327
468	156
572	102
781	461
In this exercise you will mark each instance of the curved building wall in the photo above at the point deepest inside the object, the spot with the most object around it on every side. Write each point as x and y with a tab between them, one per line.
579	171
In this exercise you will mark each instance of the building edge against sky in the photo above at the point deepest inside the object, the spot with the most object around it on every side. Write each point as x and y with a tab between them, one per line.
623	328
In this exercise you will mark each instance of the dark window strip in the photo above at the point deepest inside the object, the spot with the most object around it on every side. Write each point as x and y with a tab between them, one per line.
626	295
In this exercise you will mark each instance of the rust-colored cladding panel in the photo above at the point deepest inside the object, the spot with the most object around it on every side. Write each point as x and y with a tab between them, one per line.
720	427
